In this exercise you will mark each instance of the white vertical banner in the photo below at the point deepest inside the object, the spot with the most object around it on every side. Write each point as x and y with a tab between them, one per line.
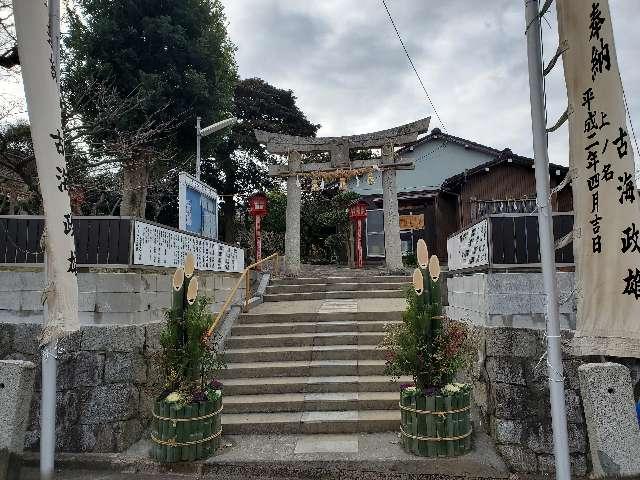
606	201
42	90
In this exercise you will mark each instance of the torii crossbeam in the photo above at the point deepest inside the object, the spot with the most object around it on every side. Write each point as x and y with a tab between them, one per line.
339	148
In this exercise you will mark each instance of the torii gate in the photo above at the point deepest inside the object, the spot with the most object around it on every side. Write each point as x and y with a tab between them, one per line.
339	147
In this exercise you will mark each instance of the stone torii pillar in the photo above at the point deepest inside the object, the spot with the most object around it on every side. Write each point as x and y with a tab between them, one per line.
339	148
292	234
392	243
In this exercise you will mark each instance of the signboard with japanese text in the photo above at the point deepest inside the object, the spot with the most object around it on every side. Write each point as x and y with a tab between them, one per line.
412	222
42	90
606	203
197	206
469	248
156	246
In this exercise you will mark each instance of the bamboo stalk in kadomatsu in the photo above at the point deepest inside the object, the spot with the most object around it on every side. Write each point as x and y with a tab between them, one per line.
177	302
184	294
422	254
436	295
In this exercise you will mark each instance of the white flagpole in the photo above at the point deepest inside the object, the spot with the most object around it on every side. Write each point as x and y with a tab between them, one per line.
50	350
547	248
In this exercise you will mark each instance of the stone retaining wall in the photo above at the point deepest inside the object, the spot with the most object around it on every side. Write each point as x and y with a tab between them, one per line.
107	380
108	297
511	393
508	299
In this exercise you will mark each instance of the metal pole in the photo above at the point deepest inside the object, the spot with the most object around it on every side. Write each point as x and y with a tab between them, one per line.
49	351
547	247
48	410
198	137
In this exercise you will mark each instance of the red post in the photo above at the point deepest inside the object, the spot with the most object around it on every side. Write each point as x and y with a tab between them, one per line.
258	239
257	209
357	213
359	259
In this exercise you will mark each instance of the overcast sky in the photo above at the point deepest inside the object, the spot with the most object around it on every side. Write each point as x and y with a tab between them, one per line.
345	64
347	68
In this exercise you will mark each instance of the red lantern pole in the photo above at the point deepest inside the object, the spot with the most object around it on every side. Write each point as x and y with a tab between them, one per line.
357	213
359	259
257	209
258	240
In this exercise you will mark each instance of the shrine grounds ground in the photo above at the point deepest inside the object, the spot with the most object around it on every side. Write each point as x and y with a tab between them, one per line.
262	457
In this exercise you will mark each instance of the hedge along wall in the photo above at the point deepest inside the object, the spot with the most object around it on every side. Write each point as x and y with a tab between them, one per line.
512	398
107	380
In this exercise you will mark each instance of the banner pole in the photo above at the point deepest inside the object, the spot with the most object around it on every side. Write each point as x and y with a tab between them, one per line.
547	247
49	350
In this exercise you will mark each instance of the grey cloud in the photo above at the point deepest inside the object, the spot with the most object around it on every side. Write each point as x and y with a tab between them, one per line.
345	64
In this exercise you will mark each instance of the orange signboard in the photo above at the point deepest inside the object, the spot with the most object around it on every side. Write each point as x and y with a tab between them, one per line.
412	222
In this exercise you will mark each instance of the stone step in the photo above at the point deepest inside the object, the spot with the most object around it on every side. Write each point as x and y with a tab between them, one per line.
309	327
305	402
287	297
307	352
314	368
302	339
313	384
345	279
333	287
289	317
349	421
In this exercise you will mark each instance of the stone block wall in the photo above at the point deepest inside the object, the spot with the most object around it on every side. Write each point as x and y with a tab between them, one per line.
508	299
511	394
107	381
130	298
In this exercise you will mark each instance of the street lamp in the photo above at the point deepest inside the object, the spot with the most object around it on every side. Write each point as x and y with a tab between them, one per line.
357	213
207	131
258	209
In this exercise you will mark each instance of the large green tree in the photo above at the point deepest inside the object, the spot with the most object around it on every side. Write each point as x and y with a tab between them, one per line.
174	54
239	164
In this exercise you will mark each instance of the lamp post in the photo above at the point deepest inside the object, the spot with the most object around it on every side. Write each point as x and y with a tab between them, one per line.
357	213
203	132
258	209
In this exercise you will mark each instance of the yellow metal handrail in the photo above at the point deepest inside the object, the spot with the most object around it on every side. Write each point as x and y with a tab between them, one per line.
247	278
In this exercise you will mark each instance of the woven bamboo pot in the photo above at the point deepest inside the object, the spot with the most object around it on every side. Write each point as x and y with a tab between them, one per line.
187	433
436	426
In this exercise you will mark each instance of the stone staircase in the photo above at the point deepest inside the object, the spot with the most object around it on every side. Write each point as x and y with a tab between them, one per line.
306	361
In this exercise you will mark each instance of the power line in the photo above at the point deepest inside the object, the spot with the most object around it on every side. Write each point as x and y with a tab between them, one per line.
393	23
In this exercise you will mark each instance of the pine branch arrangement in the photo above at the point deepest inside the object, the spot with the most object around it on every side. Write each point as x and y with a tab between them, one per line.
189	360
425	345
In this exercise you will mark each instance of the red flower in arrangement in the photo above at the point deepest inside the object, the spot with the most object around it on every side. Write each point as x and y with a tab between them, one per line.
389	355
454	338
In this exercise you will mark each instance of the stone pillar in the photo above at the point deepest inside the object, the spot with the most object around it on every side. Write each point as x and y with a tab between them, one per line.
292	235
392	245
612	424
16	389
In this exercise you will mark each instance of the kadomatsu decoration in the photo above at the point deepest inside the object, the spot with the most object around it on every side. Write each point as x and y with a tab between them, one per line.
435	411
186	422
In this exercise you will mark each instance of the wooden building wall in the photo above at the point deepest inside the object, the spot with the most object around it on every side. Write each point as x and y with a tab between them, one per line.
447	212
447	222
507	182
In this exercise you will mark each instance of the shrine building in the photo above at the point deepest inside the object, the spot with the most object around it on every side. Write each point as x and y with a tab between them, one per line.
455	183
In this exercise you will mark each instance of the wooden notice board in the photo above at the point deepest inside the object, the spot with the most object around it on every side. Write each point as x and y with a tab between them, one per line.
412	222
